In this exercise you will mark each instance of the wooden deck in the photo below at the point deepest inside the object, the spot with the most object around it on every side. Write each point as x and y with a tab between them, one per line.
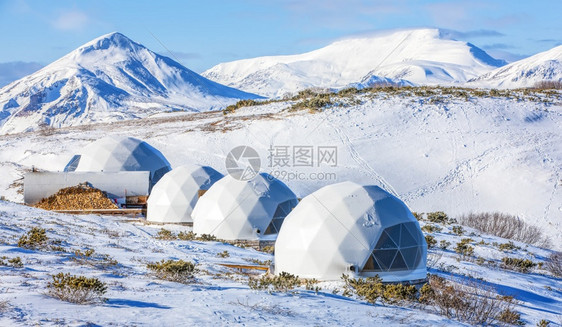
102	211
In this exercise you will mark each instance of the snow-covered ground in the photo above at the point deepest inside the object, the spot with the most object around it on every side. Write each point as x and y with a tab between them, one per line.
137	298
434	152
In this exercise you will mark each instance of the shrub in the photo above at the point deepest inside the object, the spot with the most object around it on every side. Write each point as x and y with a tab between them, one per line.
418	216
474	303
36	238
543	323
508	246
463	248
76	289
175	271
372	288
189	236
444	244
240	104
315	103
506	226
510	317
283	282
430	240
223	254
521	265
88	257
554	264
438	217
164	234
268	249
430	228
207	237
458	230
13	262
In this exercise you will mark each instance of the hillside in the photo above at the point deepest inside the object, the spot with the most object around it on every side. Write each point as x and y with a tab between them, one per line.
419	56
544	66
438	149
108	79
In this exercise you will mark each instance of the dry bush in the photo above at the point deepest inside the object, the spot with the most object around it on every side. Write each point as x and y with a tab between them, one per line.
11	262
549	85
438	217
76	289
554	264
175	271
284	282
430	240
89	257
473	302
372	289
34	239
463	248
521	265
506	226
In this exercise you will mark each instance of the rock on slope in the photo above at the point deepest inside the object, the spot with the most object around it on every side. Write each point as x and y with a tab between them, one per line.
544	66
420	56
110	78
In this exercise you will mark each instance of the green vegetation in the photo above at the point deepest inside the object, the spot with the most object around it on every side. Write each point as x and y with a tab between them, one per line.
76	289
521	265
11	262
175	271
34	239
372	289
283	282
458	230
508	246
438	217
430	240
463	248
430	228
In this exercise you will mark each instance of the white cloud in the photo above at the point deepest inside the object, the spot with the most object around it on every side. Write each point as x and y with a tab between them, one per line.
71	20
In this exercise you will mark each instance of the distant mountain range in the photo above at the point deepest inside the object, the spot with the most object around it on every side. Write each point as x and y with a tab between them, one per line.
418	56
544	66
113	78
110	78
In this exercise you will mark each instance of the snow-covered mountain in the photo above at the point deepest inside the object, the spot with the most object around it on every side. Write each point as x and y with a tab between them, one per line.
544	66
420	56
110	78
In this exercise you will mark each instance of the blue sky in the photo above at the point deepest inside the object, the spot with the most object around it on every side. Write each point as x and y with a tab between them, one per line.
201	34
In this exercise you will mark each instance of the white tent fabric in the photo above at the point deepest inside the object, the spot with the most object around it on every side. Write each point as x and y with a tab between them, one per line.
120	153
347	228
173	198
244	210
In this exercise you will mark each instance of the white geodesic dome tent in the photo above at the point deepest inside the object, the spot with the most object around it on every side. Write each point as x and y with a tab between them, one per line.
173	198
244	210
120	153
347	228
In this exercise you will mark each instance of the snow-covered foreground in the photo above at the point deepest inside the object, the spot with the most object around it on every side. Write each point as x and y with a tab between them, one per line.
435	152
137	298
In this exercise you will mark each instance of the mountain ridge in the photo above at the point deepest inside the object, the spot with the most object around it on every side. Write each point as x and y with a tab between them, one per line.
420	56
109	78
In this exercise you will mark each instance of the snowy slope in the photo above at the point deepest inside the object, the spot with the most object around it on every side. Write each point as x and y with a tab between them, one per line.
220	296
451	154
421	56
544	66
110	78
